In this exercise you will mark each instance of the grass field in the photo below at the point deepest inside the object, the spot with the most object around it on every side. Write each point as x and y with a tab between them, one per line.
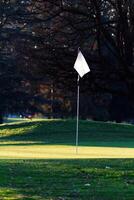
101	179
37	161
56	139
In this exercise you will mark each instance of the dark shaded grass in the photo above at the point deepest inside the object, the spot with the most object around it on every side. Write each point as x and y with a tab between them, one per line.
63	132
104	179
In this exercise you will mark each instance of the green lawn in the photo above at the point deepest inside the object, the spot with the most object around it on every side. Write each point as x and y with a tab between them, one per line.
56	139
37	161
97	179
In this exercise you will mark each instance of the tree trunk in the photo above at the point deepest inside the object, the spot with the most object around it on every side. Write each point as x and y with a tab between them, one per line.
1	118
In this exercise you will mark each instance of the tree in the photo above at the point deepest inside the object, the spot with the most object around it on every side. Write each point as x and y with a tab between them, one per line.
15	96
104	31
41	39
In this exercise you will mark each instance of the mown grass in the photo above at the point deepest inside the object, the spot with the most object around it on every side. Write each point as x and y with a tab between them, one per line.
56	139
66	179
63	132
102	179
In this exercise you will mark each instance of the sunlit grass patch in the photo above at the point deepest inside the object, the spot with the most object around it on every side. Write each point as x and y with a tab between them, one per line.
10	194
13	194
18	130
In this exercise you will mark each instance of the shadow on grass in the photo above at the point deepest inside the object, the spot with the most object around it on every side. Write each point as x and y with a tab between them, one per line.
91	144
67	179
62	132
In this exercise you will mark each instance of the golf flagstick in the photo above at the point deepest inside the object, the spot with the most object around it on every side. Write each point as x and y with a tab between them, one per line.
82	68
77	123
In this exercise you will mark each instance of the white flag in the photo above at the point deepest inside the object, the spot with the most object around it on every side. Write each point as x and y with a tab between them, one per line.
81	65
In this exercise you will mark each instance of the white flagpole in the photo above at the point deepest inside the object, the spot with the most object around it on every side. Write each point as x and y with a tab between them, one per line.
77	123
82	68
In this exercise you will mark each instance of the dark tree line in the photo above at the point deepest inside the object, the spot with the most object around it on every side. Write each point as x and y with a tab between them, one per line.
39	41
15	95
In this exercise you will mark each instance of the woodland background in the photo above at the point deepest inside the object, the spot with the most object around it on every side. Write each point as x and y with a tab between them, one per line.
39	40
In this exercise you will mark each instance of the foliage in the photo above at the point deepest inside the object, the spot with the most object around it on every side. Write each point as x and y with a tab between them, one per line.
39	41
